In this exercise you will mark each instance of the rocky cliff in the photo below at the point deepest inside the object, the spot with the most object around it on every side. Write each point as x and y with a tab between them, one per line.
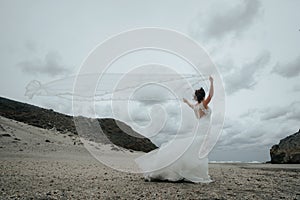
287	151
111	130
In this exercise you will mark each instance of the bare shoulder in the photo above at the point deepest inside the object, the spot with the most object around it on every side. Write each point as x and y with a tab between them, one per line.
205	105
207	101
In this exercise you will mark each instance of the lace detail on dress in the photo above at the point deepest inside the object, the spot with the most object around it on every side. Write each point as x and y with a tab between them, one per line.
200	106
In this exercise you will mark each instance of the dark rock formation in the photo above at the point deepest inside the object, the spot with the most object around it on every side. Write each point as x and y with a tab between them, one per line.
287	151
111	130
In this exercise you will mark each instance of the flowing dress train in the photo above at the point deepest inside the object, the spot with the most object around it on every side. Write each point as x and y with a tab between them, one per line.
179	159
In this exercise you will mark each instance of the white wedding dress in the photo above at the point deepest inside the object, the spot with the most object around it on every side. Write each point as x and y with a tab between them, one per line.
180	159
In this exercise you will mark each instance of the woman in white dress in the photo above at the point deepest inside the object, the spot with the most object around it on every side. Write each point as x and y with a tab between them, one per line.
180	159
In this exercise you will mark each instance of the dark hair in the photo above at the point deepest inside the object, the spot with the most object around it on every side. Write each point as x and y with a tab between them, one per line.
200	94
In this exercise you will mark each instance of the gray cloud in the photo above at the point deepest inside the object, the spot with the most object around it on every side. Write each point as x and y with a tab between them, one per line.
260	128
50	65
290	112
240	134
31	46
296	88
291	69
249	132
273	113
245	78
263	128
233	21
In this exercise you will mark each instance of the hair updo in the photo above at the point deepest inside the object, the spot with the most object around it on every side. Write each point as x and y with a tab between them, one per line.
200	94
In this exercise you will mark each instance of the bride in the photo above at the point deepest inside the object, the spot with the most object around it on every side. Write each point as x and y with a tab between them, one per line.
179	159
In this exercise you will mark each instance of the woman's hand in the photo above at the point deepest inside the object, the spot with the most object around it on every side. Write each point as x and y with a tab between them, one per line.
211	79
187	102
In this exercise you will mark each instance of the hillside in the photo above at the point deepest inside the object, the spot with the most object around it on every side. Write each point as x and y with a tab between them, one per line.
49	119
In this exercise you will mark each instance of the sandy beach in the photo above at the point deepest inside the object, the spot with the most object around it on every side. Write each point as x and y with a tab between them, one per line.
44	164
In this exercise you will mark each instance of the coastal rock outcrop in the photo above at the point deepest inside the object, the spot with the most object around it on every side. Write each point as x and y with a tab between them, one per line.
287	151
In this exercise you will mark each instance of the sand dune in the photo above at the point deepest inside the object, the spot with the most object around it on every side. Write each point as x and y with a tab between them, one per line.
45	164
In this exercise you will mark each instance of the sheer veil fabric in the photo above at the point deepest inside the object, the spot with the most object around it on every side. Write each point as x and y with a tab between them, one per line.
179	159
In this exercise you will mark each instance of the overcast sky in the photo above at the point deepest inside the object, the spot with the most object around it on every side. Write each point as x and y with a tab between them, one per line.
255	45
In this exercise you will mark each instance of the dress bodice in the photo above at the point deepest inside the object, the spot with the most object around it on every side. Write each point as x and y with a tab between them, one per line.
200	106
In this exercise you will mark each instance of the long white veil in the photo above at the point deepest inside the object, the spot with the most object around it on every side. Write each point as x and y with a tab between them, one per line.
148	97
63	88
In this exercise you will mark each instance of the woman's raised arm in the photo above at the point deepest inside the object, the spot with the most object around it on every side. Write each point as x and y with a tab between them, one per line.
211	92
